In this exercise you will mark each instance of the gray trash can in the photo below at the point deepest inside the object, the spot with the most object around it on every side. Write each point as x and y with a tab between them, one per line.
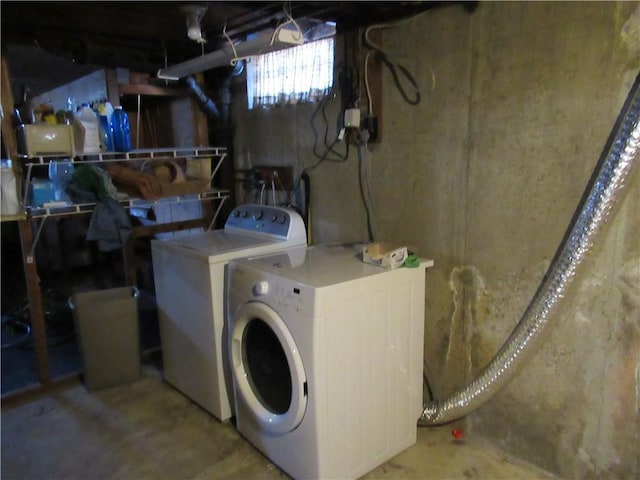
107	329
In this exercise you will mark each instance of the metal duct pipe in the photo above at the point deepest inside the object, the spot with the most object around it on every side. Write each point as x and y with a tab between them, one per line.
600	196
207	103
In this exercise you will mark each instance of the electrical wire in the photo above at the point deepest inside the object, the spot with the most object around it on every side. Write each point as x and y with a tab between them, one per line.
273	192
324	157
366	83
364	183
397	70
306	212
388	25
280	185
329	148
426	374
365	204
234	61
235	58
304	175
348	85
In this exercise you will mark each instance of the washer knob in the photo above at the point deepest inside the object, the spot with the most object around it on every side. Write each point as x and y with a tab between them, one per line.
258	215
261	288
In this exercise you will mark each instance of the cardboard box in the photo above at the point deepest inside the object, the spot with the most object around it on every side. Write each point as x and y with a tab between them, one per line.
384	255
192	185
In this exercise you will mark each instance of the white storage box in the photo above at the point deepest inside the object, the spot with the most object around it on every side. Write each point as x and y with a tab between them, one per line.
384	255
43	139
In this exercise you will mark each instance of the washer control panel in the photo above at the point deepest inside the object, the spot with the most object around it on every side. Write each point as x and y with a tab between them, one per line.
284	297
275	221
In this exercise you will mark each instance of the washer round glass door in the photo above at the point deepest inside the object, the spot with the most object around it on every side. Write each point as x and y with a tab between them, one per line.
267	368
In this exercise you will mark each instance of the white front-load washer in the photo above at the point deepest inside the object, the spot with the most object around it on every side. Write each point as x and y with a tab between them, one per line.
326	357
189	277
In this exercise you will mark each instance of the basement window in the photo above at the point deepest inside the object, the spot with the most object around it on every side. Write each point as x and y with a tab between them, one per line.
303	73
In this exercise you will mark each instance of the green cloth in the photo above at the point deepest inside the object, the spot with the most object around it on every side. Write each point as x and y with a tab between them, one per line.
110	224
89	180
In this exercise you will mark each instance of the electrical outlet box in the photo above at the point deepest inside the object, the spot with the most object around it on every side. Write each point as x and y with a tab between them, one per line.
352	118
280	177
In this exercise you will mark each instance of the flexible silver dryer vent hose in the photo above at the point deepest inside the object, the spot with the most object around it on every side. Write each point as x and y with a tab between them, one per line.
596	207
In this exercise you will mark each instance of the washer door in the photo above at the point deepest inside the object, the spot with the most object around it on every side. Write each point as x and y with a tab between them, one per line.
267	368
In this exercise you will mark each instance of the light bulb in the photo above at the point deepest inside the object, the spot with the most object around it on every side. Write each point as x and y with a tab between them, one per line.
194	14
195	34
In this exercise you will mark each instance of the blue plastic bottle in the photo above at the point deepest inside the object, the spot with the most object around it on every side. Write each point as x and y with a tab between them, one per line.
121	130
106	134
104	112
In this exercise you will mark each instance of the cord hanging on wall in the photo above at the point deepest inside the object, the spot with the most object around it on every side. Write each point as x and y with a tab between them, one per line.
400	74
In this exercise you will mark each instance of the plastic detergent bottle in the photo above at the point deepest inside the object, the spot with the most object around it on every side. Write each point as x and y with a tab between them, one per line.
86	130
105	112
106	135
9	203
121	130
108	109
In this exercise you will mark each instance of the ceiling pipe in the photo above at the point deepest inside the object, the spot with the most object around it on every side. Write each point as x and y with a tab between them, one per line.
225	93
208	104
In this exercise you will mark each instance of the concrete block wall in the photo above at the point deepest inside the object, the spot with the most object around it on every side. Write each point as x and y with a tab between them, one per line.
484	176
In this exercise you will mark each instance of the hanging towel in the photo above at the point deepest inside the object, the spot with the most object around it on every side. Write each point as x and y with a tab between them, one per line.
109	225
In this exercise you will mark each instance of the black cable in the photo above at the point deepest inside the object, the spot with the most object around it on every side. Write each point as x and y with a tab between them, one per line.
313	127
362	194
396	80
307	197
427	383
326	127
328	147
393	68
325	157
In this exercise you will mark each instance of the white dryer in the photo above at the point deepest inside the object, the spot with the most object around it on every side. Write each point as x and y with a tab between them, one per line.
189	276
326	356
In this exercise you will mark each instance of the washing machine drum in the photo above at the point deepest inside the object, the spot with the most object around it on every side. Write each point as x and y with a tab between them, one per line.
267	368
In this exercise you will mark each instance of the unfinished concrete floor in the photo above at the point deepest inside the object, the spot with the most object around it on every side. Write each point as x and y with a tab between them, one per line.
147	430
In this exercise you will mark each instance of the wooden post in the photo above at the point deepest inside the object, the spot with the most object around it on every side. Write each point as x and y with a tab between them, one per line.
32	279
34	294
8	133
113	92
